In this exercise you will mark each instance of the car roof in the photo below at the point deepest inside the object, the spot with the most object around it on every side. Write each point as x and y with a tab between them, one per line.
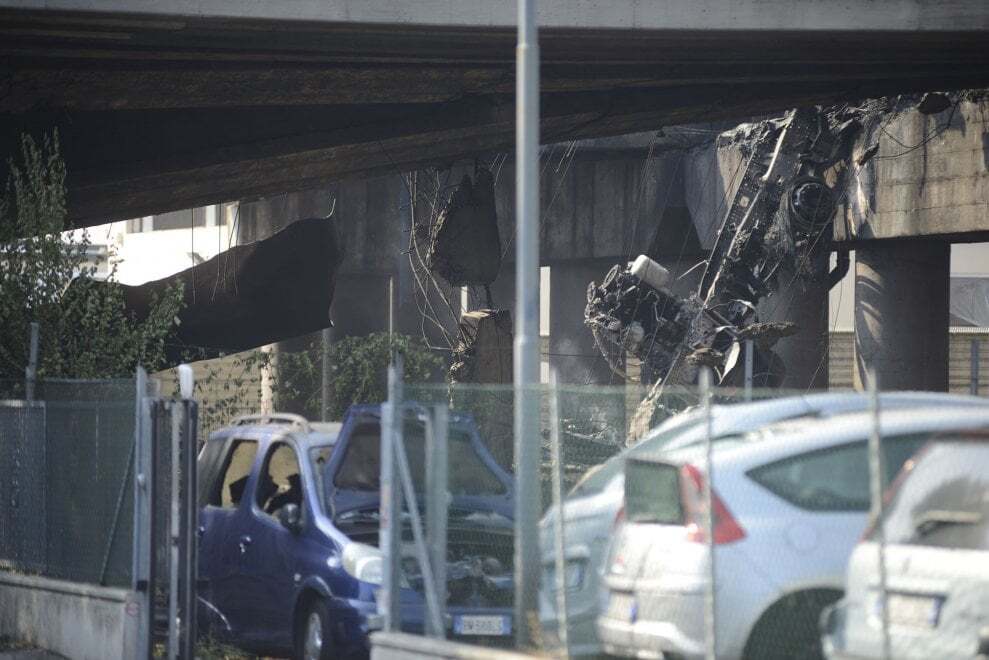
807	434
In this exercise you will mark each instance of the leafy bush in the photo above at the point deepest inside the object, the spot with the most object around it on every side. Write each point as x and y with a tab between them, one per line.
45	276
358	372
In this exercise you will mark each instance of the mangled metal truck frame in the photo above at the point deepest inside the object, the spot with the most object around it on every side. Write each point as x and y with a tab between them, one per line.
774	232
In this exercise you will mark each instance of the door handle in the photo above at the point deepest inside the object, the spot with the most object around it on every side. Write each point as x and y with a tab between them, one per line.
245	541
200	531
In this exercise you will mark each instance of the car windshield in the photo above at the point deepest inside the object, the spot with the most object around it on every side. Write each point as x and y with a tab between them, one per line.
319	456
361	466
944	498
597	479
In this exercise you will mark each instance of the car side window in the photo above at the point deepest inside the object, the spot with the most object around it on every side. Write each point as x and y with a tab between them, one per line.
835	478
280	482
230	489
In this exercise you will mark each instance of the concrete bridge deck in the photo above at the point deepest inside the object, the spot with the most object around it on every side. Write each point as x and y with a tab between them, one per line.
162	106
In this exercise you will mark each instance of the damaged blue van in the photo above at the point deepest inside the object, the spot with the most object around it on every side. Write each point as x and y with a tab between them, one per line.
288	527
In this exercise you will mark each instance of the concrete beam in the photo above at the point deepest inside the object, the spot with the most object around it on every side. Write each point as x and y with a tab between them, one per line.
802	15
930	177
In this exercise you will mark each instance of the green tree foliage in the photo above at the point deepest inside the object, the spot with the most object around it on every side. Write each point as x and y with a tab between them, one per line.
358	372
45	276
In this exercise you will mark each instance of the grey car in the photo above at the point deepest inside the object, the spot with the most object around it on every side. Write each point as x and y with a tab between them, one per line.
936	558
591	507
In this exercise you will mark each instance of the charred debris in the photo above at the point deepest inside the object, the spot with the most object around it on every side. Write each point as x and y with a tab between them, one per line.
776	233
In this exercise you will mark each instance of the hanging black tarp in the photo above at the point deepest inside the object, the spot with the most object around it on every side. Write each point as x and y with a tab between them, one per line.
250	295
465	246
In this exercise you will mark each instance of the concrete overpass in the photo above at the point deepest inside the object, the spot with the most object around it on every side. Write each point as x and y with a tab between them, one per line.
162	106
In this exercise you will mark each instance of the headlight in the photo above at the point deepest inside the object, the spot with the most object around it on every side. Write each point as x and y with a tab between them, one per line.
363	562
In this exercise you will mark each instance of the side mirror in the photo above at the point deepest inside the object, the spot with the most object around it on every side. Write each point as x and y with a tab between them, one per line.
291	518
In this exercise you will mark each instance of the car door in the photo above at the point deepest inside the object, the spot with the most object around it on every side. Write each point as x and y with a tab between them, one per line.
271	551
829	490
221	525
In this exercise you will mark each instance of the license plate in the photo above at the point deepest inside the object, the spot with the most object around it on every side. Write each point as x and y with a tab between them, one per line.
475	624
913	610
621	606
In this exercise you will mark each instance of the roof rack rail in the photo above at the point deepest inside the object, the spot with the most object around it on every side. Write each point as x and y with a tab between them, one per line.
273	418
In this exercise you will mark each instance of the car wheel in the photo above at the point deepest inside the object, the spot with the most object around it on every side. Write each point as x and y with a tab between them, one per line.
789	628
314	634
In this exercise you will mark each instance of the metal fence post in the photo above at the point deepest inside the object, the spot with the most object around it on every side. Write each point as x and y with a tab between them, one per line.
189	528
31	372
390	514
876	483
710	604
974	369
173	536
748	369
142	557
418	538
559	545
324	389
437	501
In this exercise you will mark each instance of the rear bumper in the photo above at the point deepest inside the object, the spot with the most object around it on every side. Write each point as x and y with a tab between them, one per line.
674	626
582	637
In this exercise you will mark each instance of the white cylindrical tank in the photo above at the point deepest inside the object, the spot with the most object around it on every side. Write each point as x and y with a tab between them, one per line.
650	272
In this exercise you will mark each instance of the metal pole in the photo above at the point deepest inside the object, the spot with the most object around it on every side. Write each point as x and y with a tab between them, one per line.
748	369
418	539
390	515
31	371
559	545
527	445
974	380
189	529
155	409
142	555
876	482
391	306
324	404
437	500
710	605
174	541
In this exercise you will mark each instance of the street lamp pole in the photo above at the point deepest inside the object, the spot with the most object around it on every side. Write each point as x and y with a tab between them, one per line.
527	437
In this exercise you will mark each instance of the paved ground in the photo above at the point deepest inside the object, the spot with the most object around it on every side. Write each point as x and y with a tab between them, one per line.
29	654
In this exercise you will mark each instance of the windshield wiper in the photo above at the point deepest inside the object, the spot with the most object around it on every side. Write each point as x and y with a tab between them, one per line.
933	520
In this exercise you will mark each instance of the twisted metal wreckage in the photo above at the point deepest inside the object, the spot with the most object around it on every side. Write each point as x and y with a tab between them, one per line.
775	234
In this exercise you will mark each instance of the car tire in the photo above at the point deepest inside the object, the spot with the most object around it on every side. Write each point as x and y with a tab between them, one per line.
789	628
314	633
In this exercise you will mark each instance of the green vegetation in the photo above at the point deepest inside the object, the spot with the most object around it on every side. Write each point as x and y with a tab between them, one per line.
358	372
46	276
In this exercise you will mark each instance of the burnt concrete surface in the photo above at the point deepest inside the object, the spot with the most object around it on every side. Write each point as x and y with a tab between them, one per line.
929	177
161	110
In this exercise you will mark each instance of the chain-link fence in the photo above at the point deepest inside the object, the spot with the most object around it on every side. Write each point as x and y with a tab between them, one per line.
67	482
633	565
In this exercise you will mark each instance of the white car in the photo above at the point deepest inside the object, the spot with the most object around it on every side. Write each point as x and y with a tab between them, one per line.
790	502
590	508
937	563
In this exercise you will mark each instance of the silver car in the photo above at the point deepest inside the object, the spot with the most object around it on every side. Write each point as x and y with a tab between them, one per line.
789	504
937	563
590	508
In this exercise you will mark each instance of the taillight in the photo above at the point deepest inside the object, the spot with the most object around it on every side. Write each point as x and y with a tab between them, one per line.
619	518
726	528
892	489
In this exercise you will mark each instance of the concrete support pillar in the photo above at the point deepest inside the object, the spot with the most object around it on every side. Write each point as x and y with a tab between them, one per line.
901	314
571	345
804	355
